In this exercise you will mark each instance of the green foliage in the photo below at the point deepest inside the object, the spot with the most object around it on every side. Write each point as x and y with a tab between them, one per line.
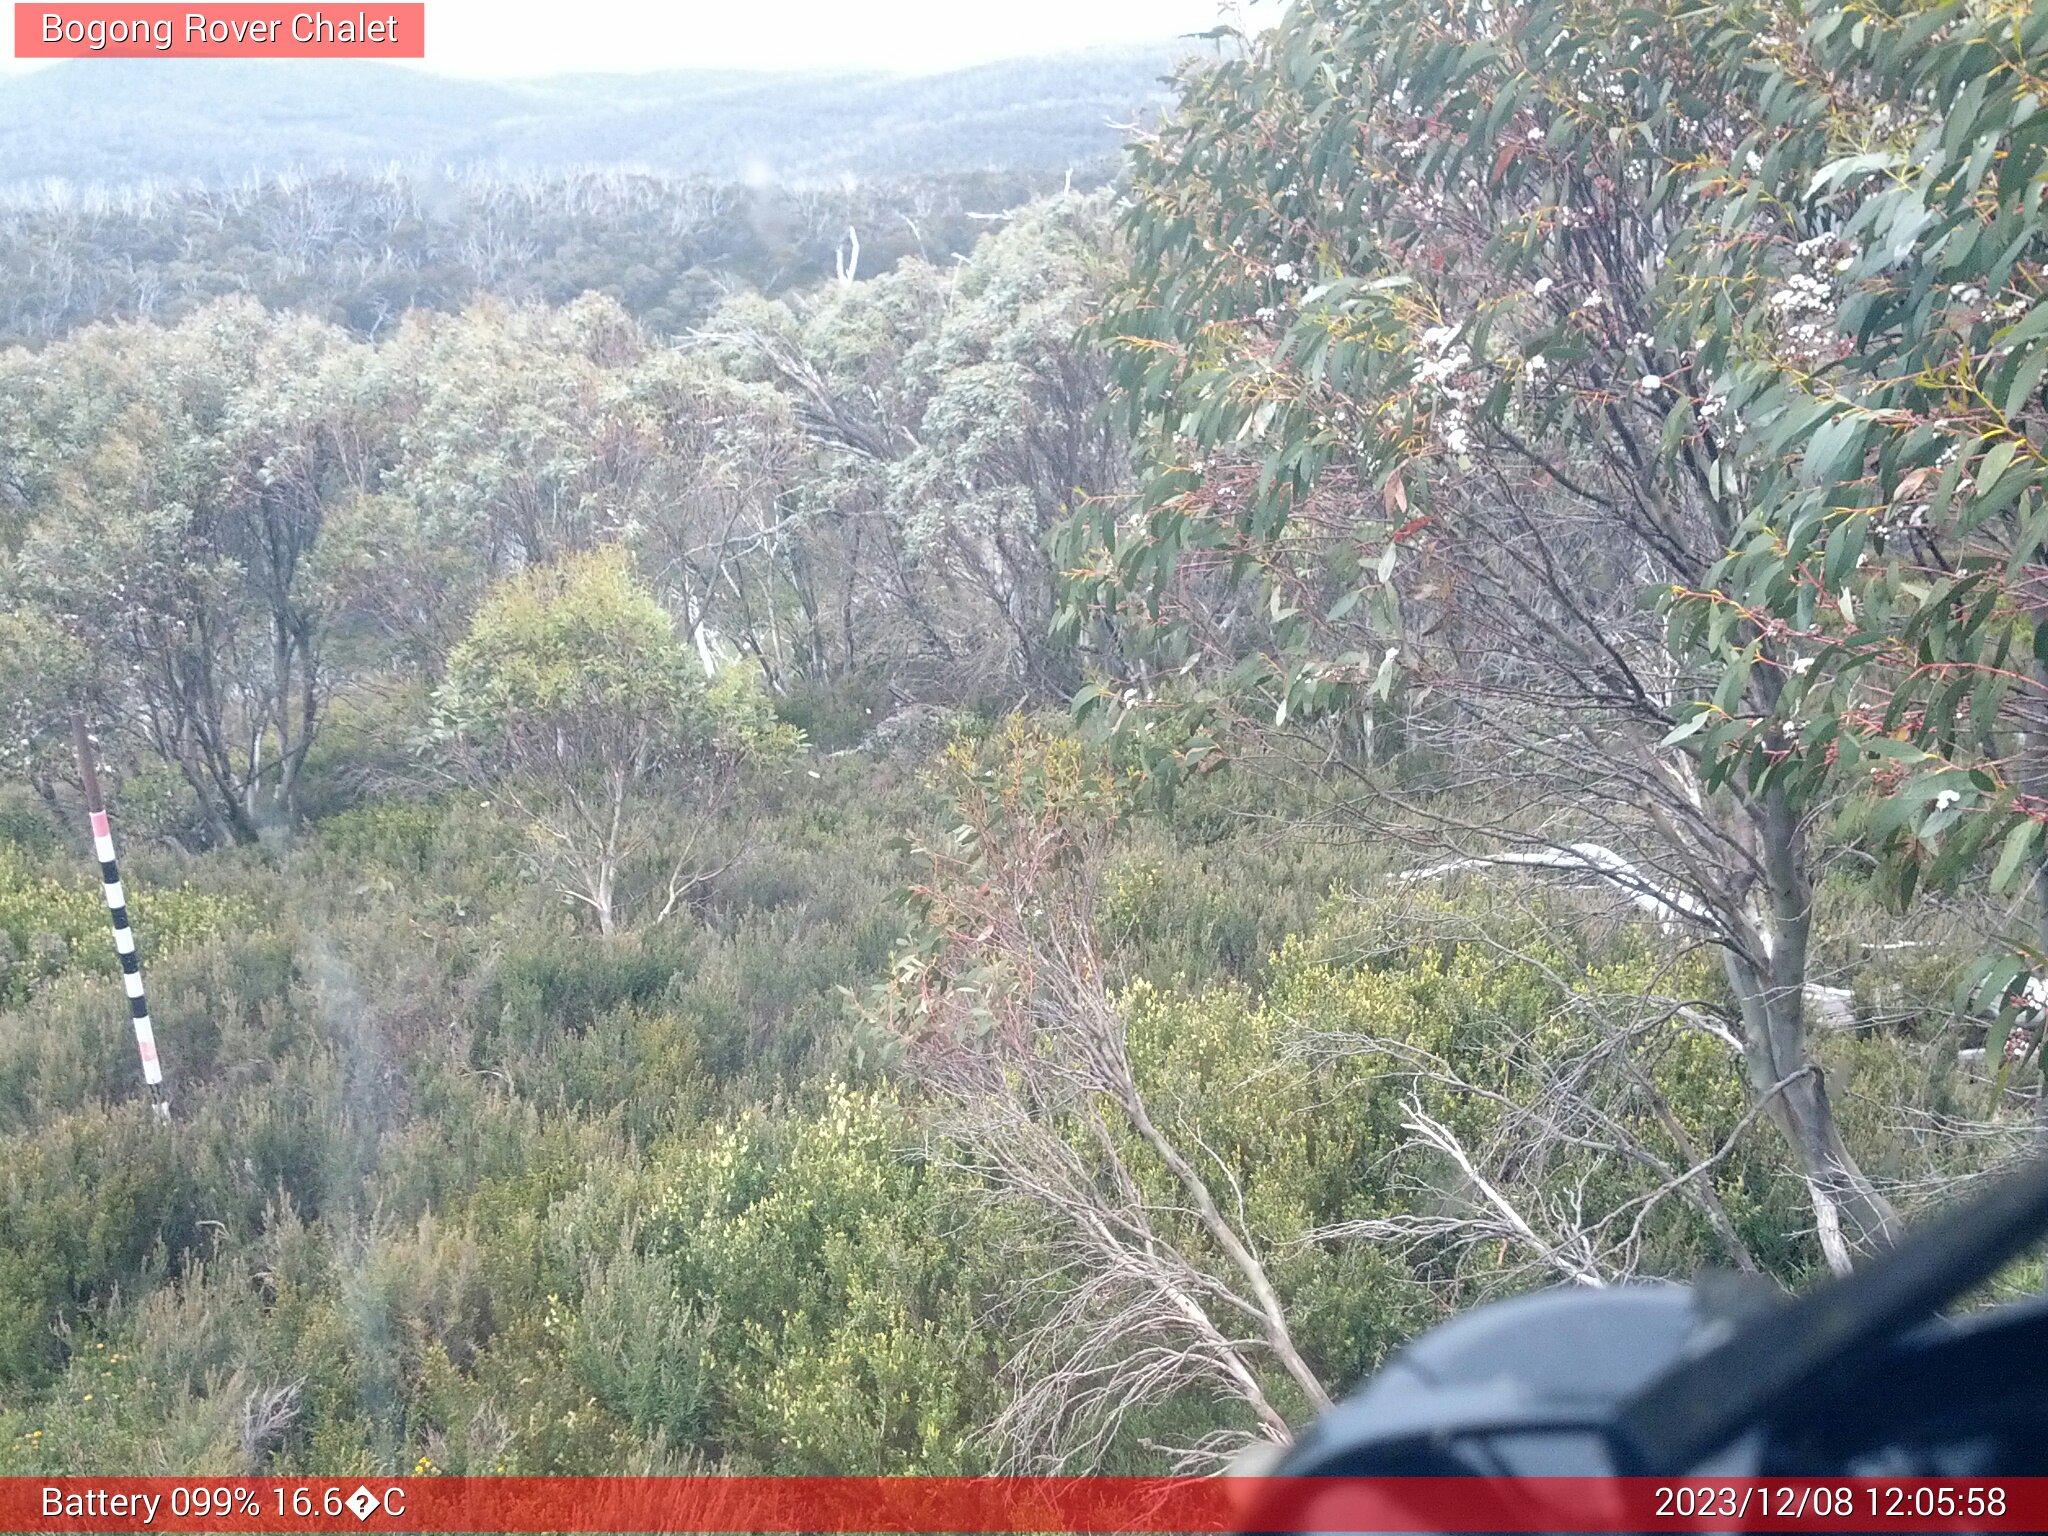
839	1272
43	675
573	696
640	1348
572	651
501	1197
1439	1023
954	418
365	246
1873	630
176	482
87	1203
234	534
1911	452
26	823
51	927
1527	398
1340	302
187	186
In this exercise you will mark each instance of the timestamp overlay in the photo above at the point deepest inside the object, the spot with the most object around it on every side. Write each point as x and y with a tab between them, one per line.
1008	1504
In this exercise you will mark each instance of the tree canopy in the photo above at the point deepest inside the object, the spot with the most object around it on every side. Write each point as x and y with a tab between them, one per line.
571	694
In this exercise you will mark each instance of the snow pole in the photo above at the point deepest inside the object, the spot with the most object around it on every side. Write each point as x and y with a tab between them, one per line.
117	910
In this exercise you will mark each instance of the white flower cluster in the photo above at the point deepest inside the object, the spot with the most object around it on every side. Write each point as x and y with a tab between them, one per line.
1446	358
1898	518
1803	294
1609	89
1804	307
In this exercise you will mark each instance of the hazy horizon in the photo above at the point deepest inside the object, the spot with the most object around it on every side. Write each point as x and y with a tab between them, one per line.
522	40
117	122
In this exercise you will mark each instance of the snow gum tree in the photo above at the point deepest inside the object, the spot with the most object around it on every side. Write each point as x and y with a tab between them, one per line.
574	698
1413	342
1871	303
178	482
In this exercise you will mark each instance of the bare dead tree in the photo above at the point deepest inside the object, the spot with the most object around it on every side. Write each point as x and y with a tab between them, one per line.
268	1417
1159	1285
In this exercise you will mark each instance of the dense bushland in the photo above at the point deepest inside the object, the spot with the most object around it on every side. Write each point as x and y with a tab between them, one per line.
453	1182
361	249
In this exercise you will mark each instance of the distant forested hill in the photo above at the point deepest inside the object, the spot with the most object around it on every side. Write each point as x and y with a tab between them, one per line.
363	248
122	120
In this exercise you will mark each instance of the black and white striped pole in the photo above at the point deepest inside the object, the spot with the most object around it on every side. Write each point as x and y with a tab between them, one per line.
117	909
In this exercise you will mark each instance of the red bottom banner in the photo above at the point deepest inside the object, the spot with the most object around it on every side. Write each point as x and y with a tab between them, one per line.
1017	1504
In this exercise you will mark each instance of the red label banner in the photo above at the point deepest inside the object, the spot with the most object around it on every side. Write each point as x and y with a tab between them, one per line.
234	31
1096	1506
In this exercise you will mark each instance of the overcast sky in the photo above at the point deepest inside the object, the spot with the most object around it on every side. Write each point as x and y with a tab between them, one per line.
546	37
538	37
